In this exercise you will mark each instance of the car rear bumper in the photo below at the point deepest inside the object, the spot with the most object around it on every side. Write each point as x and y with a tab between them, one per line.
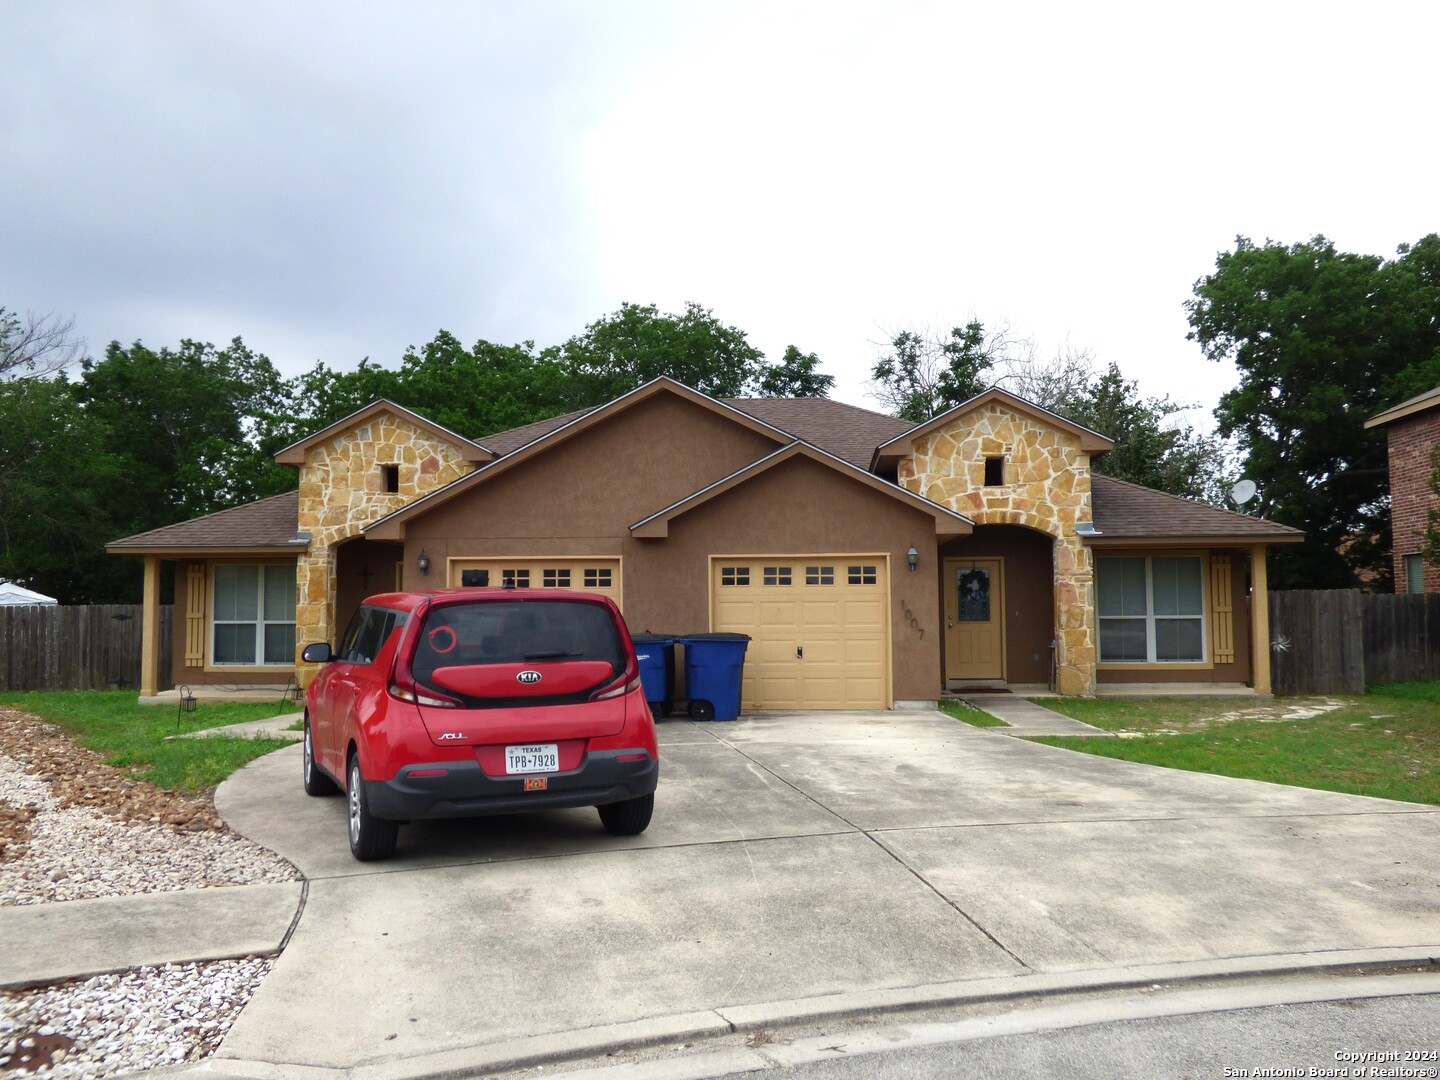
464	790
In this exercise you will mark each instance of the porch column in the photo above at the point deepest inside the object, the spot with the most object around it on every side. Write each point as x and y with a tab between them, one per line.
150	630
1259	621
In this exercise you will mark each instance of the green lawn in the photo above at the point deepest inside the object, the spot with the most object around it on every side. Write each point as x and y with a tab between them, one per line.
132	736
1385	744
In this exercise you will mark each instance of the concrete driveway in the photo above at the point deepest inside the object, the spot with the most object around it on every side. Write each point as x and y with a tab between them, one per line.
805	862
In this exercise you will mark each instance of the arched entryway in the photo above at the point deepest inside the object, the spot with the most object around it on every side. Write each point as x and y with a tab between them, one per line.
997	608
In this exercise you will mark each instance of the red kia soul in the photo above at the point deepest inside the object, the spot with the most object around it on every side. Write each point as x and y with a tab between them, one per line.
471	702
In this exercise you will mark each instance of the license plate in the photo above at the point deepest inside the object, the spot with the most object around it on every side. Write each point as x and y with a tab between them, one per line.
544	757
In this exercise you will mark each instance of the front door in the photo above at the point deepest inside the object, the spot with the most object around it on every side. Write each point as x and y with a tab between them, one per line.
974	619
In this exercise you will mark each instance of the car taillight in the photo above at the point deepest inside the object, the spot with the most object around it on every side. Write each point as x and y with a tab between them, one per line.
619	687
403	687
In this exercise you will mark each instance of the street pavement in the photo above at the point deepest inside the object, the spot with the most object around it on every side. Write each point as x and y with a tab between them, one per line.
805	866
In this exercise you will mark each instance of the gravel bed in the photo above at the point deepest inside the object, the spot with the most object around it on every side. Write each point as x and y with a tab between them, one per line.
72	827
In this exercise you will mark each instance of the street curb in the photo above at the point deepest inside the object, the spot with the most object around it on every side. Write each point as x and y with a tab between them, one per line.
571	1046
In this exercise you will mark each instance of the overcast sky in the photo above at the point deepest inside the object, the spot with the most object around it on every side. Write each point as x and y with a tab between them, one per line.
339	180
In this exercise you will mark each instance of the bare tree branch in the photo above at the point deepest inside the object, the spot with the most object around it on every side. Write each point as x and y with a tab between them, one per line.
36	345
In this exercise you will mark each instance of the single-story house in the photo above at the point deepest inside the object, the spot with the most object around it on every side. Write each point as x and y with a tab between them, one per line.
873	561
1412	434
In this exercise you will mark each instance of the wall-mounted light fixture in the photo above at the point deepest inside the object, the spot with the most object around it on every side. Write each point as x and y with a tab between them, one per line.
423	562
912	558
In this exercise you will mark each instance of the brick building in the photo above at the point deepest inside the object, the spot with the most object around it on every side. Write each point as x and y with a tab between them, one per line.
1412	431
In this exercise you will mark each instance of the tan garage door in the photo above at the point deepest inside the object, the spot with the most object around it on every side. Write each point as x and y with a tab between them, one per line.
585	575
818	627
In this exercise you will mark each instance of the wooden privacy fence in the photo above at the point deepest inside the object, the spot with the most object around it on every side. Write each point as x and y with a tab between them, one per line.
75	648
1334	641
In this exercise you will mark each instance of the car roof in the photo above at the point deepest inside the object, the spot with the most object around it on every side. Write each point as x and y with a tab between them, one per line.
411	600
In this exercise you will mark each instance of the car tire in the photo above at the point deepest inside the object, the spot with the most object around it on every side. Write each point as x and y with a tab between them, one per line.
628	818
316	782
371	838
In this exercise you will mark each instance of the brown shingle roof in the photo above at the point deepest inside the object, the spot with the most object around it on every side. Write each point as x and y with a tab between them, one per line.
1122	510
1430	399
269	523
847	431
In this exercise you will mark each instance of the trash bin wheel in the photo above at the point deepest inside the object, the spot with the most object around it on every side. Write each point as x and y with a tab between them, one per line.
702	710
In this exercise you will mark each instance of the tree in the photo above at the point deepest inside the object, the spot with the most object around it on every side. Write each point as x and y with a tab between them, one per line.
33	347
926	373
636	344
1322	340
797	375
1151	447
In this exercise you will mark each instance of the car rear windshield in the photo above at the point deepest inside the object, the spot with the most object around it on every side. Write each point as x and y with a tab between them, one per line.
516	632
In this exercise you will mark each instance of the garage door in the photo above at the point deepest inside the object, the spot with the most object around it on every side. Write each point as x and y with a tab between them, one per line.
587	575
818	627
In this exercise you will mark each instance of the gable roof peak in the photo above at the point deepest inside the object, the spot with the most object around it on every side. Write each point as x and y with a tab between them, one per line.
294	454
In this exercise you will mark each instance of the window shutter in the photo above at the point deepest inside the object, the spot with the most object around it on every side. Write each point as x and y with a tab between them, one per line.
1222	604
195	616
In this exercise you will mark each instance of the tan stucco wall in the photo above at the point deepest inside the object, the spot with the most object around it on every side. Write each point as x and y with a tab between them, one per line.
1046	488
342	490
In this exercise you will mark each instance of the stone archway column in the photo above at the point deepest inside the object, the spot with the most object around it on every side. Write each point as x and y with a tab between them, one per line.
315	605
1075	630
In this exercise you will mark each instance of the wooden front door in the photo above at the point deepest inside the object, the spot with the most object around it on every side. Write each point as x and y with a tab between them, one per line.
974	619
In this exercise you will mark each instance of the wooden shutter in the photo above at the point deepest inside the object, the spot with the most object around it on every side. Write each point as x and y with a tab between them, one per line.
1222	611
195	616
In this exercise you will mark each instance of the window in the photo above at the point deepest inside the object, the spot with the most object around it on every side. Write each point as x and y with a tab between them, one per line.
819	575
1151	610
390	479
734	575
994	471
597	578
1414	574
475	578
777	575
862	575
253	618
515	579
556	579
367	634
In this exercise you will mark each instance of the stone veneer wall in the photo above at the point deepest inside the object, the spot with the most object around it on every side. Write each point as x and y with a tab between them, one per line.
1047	487
342	490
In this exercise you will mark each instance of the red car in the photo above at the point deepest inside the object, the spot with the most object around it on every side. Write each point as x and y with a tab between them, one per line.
471	702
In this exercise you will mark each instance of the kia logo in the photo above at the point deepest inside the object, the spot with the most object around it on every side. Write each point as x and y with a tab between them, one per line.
529	678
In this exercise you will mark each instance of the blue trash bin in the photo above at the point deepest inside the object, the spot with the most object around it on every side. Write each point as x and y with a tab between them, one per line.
714	666
656	653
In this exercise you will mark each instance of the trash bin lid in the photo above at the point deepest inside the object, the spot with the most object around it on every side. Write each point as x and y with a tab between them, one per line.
653	639
712	637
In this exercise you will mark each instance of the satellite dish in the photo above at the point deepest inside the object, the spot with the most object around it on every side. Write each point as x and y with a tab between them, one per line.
1243	492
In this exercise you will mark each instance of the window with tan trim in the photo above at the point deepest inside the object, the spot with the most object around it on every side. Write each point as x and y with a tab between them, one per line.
252	614
1151	609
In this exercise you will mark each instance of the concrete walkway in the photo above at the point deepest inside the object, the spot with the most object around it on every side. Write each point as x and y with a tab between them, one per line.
1025	719
271	727
45	943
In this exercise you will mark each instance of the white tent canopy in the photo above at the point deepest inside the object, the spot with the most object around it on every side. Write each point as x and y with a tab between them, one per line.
15	595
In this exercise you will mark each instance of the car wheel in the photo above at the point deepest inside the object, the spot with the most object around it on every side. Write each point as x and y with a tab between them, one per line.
702	710
316	782
371	838
628	818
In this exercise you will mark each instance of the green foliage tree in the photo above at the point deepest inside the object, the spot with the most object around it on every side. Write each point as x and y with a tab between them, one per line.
1322	340
797	375
1152	447
636	344
56	482
925	372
